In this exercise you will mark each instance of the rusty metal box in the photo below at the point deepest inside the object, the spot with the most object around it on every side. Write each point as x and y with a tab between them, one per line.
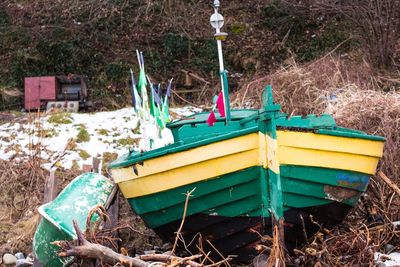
40	90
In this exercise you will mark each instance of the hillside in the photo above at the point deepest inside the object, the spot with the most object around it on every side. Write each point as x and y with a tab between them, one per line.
99	39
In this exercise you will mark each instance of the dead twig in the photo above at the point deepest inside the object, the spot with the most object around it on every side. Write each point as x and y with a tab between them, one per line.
188	195
389	182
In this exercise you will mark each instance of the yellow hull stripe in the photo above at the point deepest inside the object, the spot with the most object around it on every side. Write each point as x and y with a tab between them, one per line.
190	157
330	143
272	154
327	159
209	161
185	175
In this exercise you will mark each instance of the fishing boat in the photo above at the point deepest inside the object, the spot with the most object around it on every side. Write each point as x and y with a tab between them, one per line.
250	169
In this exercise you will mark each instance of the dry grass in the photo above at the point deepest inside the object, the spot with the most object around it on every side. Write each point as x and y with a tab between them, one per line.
21	193
360	99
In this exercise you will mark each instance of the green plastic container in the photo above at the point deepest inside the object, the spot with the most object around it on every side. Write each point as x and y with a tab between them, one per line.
73	203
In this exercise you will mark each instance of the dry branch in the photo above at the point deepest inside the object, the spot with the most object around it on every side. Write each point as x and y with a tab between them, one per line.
86	249
188	195
389	182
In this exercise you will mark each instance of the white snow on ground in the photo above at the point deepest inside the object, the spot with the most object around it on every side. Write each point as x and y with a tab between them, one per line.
185	111
112	131
392	259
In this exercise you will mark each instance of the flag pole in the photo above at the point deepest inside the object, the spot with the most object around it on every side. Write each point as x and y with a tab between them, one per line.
217	21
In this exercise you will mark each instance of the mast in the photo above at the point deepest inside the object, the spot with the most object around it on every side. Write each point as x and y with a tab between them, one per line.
217	21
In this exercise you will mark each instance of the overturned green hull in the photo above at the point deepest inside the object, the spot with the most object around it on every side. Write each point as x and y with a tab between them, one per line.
73	203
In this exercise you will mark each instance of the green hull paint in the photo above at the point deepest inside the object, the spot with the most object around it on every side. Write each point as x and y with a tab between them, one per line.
239	194
231	195
73	203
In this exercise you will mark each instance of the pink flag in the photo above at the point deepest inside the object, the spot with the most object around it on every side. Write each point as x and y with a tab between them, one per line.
211	119
220	104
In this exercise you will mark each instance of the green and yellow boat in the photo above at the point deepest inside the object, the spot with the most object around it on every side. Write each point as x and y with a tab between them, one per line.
260	166
251	169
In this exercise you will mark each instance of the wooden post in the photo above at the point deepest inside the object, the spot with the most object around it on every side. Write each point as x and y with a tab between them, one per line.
96	164
50	188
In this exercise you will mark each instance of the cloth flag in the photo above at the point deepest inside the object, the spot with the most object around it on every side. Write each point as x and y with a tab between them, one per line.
142	83
165	110
136	101
211	118
169	88
152	104
159	91
221	105
157	98
159	117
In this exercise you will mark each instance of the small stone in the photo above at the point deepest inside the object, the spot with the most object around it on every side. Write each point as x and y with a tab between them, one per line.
9	260
260	260
19	256
166	246
24	263
389	248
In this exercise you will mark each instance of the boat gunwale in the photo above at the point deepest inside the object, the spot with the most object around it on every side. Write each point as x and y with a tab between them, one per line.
130	159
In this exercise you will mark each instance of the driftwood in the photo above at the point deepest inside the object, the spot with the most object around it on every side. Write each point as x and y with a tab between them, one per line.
88	250
85	249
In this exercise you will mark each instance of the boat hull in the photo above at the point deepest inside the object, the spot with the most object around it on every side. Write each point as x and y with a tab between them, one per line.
227	210
321	175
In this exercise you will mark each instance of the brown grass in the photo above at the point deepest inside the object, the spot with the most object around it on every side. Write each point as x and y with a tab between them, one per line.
21	193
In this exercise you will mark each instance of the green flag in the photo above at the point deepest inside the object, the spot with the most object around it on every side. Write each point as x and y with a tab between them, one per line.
142	83
165	111
159	117
142	80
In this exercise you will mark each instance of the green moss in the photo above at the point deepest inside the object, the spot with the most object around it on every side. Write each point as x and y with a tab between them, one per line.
116	134
47	133
127	141
238	28
84	154
102	131
79	125
83	135
60	118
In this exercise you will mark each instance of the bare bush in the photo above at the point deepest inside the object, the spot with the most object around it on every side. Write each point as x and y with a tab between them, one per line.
376	24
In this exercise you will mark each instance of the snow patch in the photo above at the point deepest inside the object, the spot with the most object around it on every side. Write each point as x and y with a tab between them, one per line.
113	131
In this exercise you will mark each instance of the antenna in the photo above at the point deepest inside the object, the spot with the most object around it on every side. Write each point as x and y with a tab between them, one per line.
217	21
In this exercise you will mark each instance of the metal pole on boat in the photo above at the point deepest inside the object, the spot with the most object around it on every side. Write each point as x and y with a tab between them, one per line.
217	21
